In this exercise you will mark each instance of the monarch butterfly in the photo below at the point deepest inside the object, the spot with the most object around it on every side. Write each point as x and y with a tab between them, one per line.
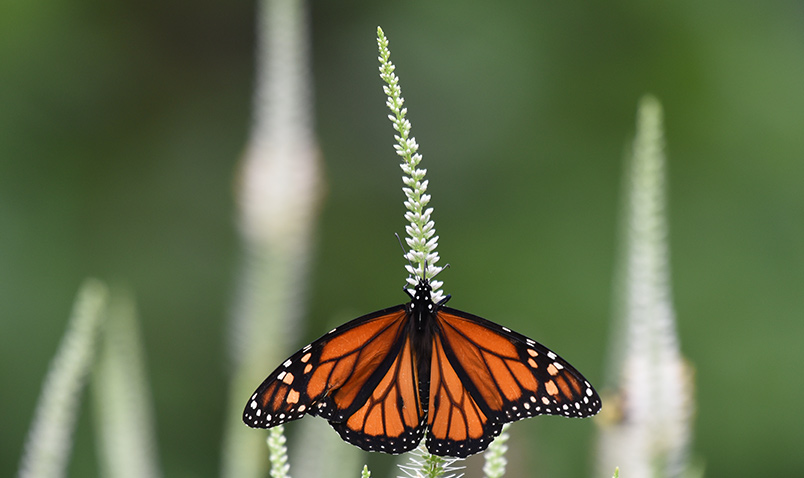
385	378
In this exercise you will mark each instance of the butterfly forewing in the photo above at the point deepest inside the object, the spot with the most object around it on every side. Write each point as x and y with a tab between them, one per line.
511	376
333	376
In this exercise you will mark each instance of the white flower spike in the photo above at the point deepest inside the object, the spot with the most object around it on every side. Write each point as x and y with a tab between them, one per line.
421	239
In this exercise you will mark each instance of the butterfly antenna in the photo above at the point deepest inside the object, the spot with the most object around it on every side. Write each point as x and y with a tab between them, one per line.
404	251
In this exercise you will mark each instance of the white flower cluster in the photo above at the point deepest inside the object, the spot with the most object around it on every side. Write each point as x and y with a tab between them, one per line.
421	239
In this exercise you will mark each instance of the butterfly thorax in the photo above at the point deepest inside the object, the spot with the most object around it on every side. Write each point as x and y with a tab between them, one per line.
421	307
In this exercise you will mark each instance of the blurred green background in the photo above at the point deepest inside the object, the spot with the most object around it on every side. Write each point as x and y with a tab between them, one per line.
121	125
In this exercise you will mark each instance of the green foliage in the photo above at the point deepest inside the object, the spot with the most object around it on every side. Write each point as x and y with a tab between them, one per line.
121	130
276	271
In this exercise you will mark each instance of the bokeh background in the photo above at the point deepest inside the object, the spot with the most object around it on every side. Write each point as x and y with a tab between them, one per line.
121	126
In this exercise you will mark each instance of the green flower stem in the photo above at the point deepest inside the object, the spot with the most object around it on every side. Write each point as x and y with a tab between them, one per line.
421	464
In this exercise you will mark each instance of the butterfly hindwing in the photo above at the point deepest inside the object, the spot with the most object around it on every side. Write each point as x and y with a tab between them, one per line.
392	418
457	424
